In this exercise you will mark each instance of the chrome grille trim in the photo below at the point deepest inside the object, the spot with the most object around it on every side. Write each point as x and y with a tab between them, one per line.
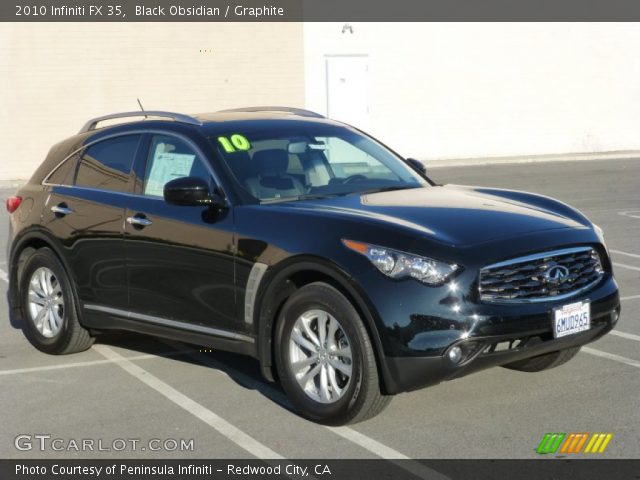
522	280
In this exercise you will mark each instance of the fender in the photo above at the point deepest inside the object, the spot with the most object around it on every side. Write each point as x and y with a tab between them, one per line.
276	286
24	237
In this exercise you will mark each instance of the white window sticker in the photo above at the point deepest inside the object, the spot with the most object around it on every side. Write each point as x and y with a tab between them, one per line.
166	167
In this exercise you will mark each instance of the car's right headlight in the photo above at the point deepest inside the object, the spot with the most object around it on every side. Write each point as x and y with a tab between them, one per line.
396	264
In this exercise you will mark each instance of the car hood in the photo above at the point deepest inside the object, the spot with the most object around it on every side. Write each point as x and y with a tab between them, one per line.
452	214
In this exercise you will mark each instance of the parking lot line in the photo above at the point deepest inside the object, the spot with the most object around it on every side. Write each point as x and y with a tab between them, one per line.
624	265
223	427
620	252
630	214
4	276
631	297
89	363
368	443
611	356
360	439
388	453
246	380
629	336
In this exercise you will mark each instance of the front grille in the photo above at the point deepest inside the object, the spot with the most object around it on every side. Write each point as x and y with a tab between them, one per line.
545	276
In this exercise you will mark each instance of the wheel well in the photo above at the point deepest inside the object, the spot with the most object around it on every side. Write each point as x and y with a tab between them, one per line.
25	253
286	287
294	282
16	266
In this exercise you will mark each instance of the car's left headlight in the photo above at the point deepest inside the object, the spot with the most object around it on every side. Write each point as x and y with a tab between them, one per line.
600	234
396	264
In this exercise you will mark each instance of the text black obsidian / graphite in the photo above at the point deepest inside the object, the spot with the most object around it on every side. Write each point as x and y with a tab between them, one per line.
207	11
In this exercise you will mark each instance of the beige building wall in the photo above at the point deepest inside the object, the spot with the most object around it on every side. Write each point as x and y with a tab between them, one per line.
54	77
456	90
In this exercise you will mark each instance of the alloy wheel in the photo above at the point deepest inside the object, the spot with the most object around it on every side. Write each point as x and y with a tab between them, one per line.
46	302
320	356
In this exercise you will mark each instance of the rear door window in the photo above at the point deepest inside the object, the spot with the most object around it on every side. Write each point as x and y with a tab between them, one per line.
63	174
106	165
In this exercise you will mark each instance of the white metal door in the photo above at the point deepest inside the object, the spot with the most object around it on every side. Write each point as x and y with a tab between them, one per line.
348	89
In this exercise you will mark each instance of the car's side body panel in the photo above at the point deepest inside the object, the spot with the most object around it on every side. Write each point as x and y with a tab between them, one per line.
91	237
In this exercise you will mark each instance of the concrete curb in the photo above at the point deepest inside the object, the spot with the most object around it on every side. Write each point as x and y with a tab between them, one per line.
11	184
562	157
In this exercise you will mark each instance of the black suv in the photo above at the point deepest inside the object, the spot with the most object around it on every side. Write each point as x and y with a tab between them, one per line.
301	241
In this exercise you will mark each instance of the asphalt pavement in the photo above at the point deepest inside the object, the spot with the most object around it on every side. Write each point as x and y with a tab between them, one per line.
175	401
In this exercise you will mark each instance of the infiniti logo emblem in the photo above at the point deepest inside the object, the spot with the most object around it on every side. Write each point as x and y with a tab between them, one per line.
556	274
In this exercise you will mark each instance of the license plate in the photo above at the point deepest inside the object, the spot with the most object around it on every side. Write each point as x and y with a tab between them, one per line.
572	318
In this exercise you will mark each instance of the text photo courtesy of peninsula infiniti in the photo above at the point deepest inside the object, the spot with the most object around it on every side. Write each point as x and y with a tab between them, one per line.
341	267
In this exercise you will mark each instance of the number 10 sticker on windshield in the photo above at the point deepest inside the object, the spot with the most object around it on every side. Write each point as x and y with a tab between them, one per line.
235	143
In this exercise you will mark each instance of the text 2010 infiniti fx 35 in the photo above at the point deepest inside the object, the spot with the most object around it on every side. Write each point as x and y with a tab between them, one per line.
302	242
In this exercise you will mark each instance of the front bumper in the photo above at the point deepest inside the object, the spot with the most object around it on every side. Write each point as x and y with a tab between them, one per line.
406	373
411	373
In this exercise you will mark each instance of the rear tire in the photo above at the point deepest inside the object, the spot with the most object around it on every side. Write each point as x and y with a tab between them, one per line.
325	359
544	362
48	306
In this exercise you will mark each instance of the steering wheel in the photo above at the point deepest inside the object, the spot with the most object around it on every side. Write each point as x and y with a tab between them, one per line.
354	178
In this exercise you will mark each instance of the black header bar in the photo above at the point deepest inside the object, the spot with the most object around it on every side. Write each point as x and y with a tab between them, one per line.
558	469
318	10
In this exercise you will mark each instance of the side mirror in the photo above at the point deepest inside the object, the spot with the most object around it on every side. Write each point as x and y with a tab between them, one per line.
190	191
417	165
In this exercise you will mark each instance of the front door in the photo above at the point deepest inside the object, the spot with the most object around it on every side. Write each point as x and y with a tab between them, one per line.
180	259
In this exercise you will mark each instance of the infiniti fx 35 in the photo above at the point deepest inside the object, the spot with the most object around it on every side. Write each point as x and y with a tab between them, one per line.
306	244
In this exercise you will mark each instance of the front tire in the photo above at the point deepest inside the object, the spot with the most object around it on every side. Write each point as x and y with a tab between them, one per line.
325	359
544	362
48	306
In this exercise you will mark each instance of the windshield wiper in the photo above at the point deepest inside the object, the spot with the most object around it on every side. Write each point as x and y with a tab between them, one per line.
386	189
318	196
312	196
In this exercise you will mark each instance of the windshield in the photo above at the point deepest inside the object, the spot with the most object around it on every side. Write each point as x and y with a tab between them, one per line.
313	160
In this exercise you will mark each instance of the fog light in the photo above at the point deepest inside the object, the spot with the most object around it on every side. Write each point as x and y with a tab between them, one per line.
455	354
615	315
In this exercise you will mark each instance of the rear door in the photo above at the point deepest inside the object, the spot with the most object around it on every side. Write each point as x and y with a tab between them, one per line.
180	259
87	216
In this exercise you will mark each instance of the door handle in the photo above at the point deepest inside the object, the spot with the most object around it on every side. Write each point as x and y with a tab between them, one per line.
61	210
139	221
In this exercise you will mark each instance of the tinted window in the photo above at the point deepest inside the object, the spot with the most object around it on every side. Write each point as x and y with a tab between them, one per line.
348	159
63	174
294	161
107	164
170	158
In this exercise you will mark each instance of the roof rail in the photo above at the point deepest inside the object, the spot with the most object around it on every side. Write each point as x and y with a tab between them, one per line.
178	117
296	111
